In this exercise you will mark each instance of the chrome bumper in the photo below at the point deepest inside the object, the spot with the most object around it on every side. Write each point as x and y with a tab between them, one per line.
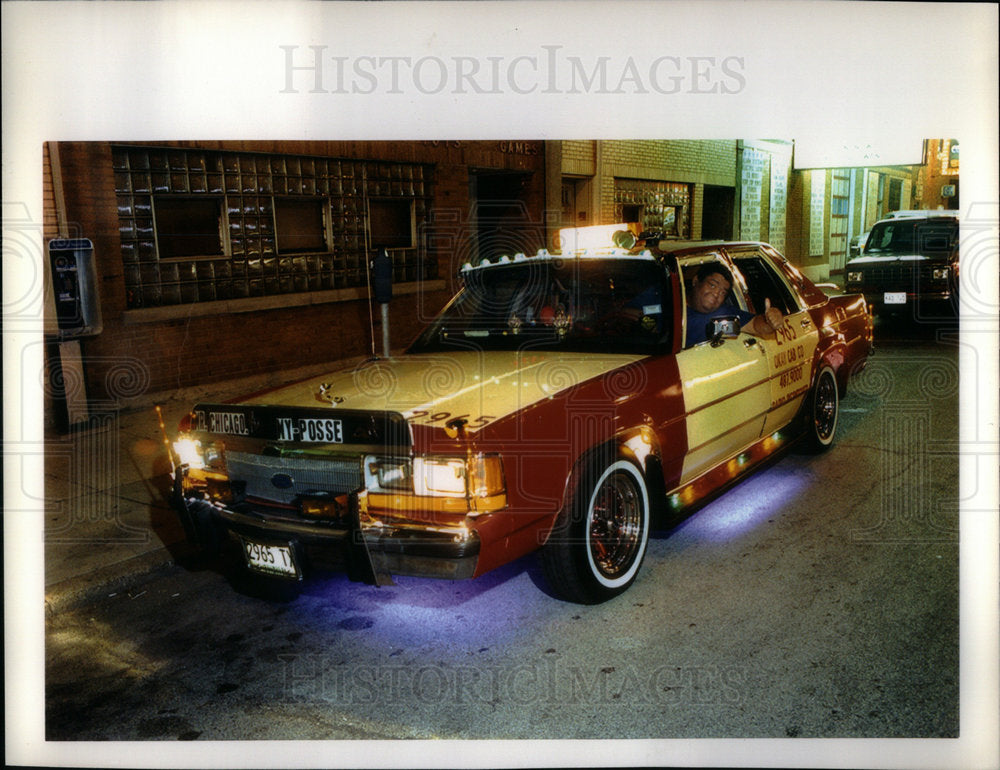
371	551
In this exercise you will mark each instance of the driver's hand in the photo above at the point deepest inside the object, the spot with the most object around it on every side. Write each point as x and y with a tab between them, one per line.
772	315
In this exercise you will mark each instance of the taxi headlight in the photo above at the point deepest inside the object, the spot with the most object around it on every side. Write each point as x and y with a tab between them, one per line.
189	453
478	476
198	455
439	476
387	474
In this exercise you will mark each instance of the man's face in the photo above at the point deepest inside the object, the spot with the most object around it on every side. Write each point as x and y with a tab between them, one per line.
709	294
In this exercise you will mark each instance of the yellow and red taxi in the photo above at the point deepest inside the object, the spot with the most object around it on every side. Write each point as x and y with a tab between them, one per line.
552	405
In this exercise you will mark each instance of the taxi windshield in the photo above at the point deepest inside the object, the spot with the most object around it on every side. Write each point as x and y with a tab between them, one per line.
588	304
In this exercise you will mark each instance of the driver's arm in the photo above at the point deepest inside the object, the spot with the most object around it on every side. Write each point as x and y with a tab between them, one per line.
765	324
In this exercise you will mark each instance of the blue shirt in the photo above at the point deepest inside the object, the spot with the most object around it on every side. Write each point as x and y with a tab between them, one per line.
697	322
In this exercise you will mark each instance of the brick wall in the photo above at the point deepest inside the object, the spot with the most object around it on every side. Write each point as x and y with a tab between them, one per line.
712	161
141	352
697	163
937	172
50	227
693	162
578	157
697	209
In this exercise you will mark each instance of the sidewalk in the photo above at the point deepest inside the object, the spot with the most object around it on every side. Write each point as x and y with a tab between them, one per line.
108	520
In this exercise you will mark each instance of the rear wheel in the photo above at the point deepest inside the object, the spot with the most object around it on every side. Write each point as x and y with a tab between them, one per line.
599	541
824	409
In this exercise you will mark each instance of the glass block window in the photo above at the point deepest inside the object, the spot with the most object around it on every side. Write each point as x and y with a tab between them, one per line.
200	225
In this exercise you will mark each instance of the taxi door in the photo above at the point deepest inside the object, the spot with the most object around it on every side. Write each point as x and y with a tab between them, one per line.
727	395
790	352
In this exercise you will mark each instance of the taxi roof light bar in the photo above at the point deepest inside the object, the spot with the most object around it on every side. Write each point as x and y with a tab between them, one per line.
616	240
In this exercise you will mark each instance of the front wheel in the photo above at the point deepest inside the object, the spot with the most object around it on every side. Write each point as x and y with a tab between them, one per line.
599	541
824	408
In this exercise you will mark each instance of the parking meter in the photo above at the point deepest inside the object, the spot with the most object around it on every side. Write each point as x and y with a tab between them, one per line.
382	277
382	288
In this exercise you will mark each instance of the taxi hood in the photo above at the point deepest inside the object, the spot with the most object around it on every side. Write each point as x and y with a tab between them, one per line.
432	388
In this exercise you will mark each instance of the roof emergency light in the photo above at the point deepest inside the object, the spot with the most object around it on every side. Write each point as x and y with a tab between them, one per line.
574	239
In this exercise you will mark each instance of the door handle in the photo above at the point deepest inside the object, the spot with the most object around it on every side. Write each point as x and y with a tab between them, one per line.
749	342
804	323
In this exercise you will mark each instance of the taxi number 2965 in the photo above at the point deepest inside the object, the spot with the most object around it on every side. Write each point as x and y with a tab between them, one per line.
422	415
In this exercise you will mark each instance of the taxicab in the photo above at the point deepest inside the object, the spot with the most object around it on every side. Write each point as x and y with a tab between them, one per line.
564	403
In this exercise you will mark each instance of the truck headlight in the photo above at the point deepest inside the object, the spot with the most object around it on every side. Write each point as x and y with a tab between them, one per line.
941	273
854	276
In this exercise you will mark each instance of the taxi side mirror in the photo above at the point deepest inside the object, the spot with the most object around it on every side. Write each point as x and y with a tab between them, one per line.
721	328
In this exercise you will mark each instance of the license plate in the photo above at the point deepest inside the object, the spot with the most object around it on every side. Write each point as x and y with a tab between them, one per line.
895	298
272	559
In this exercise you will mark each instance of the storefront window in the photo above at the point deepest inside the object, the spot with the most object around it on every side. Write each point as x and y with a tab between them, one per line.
299	225
188	227
392	225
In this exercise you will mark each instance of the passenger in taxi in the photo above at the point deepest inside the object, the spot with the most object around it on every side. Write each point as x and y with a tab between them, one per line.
707	300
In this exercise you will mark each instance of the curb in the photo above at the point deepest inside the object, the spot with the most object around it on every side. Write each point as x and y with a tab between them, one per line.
113	578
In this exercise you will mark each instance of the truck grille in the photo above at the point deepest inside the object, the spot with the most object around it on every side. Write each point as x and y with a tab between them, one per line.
283	479
897	277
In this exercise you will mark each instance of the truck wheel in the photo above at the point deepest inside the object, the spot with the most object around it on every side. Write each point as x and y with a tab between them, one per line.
824	408
599	541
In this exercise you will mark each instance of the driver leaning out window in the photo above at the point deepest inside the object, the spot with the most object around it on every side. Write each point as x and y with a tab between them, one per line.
707	300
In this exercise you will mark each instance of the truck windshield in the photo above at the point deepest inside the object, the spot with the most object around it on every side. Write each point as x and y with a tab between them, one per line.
913	237
589	304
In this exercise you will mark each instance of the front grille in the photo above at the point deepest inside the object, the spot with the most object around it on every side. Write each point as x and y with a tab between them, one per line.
897	278
284	479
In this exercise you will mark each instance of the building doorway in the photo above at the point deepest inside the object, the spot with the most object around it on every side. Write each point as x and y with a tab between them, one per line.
717	213
503	223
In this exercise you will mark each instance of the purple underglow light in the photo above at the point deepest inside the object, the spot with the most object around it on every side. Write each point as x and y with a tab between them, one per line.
748	505
418	613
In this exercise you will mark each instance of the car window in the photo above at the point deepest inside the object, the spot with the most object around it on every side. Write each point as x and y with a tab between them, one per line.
689	269
589	304
763	282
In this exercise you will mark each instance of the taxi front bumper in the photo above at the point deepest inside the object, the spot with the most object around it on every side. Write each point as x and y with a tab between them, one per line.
370	550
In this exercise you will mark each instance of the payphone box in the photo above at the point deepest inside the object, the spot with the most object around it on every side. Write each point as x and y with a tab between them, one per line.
74	288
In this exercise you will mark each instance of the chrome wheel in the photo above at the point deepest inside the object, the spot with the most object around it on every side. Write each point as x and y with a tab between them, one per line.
599	540
825	409
615	528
